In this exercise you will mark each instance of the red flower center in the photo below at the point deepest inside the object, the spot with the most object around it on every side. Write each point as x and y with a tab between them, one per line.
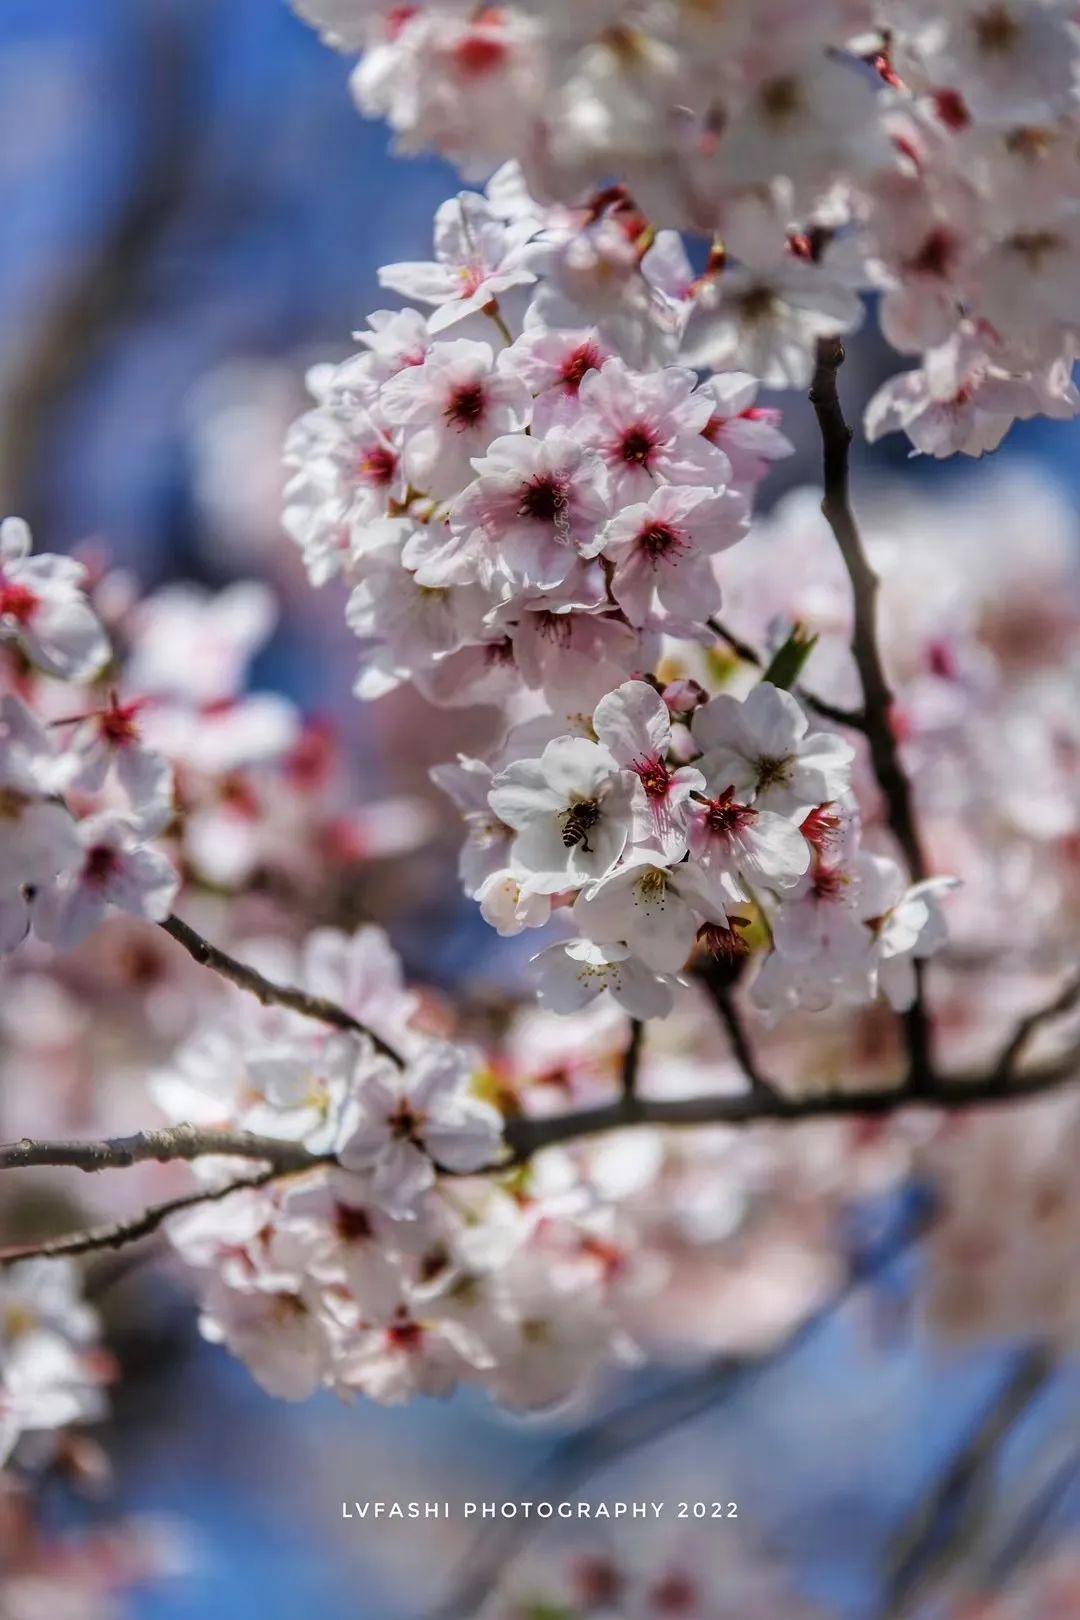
117	722
724	817
353	1224
17	602
404	1333
543	499
466	405
404	1122
379	465
637	445
585	358
660	540
101	863
654	776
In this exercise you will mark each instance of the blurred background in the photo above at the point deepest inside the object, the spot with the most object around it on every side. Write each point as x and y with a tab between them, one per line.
193	214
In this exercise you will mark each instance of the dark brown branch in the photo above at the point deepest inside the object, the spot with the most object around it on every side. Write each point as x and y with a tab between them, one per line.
878	699
877	695
120	1233
1066	1001
740	1044
854	719
631	1063
524	1137
955	1094
741	649
271	994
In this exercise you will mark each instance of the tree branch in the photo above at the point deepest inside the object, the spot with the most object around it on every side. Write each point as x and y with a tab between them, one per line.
524	1137
631	1063
836	438
740	1044
1067	999
942	1520
167	1146
955	1095
836	505
121	1233
271	994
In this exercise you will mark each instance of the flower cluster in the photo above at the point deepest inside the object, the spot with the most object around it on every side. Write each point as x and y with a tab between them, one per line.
80	795
392	1272
922	152
52	1369
699	1578
526	520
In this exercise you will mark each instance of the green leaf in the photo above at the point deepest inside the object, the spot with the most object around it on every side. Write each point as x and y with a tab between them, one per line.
789	661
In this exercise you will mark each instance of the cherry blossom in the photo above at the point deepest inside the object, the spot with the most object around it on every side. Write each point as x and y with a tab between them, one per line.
662	547
449	409
400	1126
535	506
647	428
477	257
569	976
43	608
570	810
763	748
115	869
634	724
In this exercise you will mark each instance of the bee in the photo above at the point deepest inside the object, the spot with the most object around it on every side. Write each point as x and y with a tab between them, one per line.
577	822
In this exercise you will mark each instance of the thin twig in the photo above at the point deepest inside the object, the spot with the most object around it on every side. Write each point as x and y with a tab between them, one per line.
271	994
854	719
741	1045
878	699
120	1233
1067	999
741	649
877	695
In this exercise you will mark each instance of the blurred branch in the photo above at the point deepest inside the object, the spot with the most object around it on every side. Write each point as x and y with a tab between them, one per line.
271	994
947	1517
101	294
1066	1001
631	1427
741	1046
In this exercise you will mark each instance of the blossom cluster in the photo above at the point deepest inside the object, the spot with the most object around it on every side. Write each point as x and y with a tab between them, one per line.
526	519
53	1371
925	153
81	796
702	1578
393	1271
